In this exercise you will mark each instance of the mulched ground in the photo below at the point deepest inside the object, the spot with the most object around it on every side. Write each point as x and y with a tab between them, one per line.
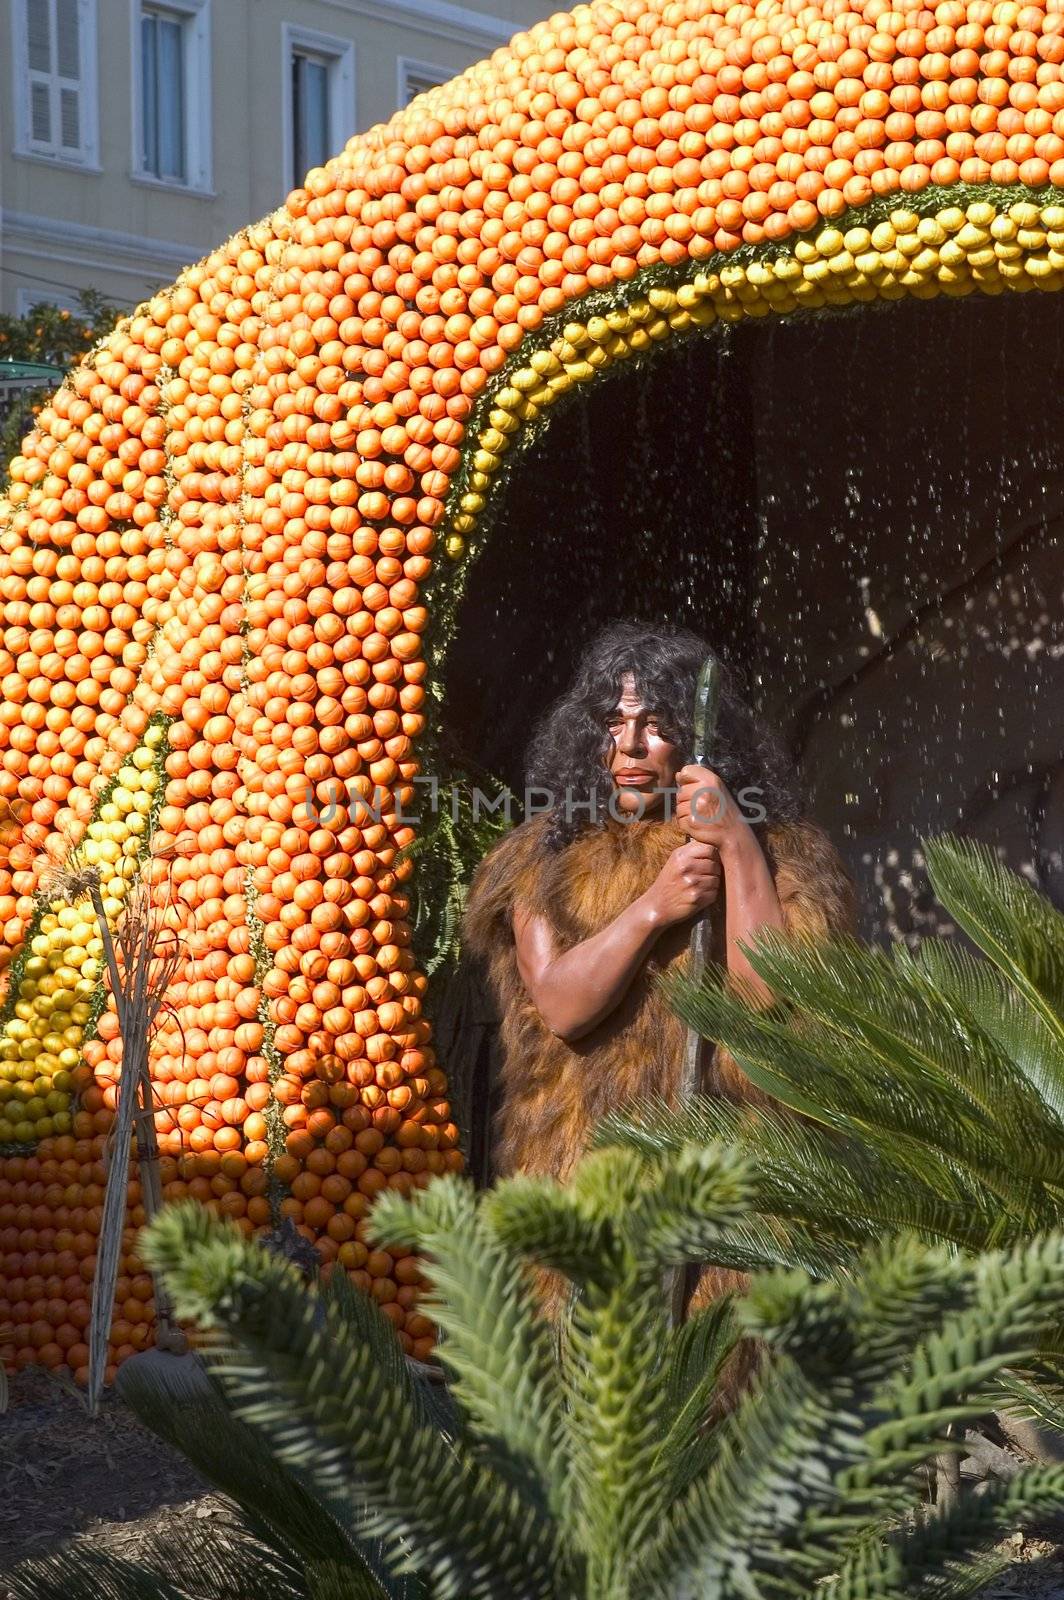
66	1477
66	1474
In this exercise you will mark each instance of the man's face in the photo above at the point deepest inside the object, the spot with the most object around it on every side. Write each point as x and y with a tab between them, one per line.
641	759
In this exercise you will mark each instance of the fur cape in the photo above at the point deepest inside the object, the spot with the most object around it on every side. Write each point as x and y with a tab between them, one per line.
554	1091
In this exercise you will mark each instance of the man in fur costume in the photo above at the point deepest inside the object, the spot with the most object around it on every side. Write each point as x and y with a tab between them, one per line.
574	911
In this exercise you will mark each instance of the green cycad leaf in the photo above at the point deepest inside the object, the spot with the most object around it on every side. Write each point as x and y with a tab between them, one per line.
695	1358
1011	923
809	1175
222	1562
237	1460
321	1397
76	1574
981	992
918	1118
331	1580
496	1346
762	1243
1040	1400
909	1040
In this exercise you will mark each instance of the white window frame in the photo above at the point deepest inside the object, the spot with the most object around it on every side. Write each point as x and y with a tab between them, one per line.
198	118
406	67
343	119
26	297
88	104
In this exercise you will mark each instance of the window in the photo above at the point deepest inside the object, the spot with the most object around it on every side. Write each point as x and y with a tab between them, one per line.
55	79
415	77
319	99
310	111
28	296
162	95
172	121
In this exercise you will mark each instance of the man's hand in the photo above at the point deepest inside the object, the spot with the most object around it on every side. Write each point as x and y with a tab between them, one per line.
707	812
687	883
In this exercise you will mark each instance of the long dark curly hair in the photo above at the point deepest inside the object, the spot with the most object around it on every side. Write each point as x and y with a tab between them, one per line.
570	746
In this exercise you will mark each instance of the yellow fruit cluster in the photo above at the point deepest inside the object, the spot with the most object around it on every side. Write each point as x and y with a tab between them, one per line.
41	1040
955	250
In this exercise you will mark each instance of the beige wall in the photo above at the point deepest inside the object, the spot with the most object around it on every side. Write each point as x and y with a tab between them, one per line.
64	227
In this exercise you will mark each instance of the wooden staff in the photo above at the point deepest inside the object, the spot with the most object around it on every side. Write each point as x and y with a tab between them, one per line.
707	710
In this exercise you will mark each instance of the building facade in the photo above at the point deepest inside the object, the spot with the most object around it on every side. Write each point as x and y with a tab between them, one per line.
135	135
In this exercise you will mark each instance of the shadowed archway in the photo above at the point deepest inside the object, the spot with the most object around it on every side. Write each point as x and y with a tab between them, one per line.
862	512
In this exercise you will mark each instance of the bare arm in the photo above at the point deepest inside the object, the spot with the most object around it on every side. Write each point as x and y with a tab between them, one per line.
751	905
574	989
706	810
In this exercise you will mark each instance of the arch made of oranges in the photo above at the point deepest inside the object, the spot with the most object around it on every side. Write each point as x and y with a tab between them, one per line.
232	550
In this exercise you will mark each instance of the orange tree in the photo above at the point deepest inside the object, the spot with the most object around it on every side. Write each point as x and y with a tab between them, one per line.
52	336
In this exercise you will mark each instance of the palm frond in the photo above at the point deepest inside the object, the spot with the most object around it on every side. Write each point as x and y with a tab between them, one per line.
224	1562
193	1417
694	1362
840	1192
983	993
1016	927
1038	1401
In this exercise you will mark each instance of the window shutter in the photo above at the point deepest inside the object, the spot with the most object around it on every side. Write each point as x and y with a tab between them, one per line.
310	113
68	39
40	112
68	62
39	63
70	119
39	35
54	71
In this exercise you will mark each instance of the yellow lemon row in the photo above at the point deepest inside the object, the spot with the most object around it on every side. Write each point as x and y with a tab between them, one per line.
953	251
42	1036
